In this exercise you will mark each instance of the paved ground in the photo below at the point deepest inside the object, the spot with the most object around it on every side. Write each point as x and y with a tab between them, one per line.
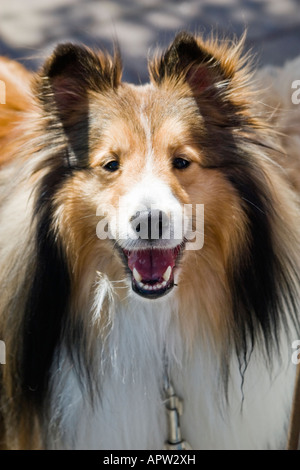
30	28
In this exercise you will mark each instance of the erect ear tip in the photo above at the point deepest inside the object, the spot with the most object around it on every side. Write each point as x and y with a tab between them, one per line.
185	51
93	70
72	71
61	57
184	37
184	44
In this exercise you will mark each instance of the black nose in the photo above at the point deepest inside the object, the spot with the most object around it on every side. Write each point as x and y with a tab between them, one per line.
150	224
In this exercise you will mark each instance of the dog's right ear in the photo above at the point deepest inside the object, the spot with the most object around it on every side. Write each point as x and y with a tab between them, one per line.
210	68
71	72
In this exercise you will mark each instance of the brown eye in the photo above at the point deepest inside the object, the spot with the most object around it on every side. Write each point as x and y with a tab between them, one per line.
180	163
112	166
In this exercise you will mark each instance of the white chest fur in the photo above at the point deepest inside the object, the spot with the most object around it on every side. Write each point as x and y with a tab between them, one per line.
130	412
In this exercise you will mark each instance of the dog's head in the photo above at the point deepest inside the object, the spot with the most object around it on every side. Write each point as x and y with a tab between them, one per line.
159	191
144	191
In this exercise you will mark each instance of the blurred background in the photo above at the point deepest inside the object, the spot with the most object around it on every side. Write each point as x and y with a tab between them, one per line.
29	29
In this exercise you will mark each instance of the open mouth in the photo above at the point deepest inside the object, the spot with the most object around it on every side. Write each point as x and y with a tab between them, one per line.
152	270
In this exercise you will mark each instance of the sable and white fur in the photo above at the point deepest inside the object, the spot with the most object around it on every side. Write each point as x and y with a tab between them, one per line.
86	355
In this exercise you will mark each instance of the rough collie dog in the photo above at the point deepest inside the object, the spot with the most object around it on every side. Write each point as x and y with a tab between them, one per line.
109	312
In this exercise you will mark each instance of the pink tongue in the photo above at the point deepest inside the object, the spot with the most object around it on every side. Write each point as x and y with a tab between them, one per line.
151	264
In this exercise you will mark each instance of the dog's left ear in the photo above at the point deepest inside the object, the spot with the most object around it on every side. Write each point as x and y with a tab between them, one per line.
189	60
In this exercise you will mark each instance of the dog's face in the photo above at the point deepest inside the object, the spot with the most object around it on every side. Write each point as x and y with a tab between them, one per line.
143	160
152	175
145	171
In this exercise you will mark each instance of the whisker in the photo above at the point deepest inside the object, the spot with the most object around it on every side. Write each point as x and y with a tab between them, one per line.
86	216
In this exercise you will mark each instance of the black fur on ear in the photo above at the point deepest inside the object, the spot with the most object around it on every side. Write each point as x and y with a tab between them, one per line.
73	70
63	87
187	60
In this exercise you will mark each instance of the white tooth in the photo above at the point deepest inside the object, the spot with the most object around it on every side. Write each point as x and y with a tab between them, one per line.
167	273
163	283
158	286
136	275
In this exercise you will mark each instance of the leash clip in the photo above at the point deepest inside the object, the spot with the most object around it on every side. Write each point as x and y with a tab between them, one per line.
174	409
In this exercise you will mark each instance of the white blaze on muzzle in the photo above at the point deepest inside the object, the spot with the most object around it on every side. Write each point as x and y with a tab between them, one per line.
149	213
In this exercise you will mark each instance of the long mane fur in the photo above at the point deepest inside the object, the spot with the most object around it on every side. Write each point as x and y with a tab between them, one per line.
36	309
